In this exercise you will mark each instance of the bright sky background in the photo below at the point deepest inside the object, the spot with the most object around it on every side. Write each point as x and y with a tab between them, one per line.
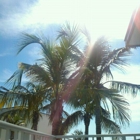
100	17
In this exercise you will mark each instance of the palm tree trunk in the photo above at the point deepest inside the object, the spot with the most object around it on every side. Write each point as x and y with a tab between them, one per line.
86	122
98	121
57	117
86	130
35	120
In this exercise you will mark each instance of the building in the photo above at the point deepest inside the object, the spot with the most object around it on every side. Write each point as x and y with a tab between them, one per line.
132	38
43	124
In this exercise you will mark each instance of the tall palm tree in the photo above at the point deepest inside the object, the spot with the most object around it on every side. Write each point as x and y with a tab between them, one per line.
99	64
96	67
58	59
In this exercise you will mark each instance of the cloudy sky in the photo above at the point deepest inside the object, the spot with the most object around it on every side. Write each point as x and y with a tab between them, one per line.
101	17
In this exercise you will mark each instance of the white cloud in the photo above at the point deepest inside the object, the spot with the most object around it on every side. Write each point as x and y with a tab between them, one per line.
4	54
100	17
11	15
130	75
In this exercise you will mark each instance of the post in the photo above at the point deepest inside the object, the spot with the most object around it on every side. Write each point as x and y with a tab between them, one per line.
123	137
7	137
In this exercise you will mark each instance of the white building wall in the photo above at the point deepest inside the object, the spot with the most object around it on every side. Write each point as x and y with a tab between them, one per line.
44	125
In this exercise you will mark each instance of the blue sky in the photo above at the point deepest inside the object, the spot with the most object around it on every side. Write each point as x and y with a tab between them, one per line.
109	18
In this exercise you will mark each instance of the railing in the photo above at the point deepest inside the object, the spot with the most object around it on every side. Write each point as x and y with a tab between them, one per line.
103	137
13	132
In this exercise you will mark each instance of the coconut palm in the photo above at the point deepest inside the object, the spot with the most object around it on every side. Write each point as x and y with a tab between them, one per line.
96	68
58	60
99	63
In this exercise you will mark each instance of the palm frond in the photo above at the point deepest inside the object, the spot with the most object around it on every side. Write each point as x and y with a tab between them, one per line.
116	58
28	39
70	38
125	87
15	79
65	114
12	111
120	108
70	121
13	97
109	126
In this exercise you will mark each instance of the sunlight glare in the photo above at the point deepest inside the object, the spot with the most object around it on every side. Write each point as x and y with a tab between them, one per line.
108	18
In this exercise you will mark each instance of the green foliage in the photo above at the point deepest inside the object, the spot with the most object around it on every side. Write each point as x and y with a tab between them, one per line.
26	101
16	119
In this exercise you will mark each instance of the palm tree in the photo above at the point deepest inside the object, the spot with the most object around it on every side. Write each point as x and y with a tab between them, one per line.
99	63
26	101
58	59
96	67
